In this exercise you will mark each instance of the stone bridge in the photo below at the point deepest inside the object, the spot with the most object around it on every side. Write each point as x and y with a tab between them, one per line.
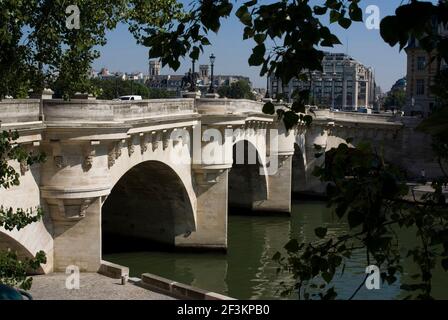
166	171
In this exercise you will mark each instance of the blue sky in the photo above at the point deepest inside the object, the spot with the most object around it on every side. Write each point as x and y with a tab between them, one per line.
122	53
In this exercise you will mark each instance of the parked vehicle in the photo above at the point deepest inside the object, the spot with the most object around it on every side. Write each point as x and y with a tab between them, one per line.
364	110
130	98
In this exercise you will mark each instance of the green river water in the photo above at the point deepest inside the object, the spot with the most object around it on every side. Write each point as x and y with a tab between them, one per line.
247	270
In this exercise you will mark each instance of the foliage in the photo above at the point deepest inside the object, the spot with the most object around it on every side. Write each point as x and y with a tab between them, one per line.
237	90
395	99
38	49
109	89
287	35
372	196
13	270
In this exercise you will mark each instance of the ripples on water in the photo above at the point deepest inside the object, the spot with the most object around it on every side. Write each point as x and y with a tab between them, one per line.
247	270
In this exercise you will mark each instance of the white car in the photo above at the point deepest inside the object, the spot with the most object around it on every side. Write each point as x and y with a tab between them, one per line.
130	98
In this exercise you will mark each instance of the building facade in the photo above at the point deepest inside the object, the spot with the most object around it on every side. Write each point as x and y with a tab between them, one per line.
344	84
203	76
421	70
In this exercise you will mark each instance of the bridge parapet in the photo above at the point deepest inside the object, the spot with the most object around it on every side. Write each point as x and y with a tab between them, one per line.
115	111
19	111
228	106
323	115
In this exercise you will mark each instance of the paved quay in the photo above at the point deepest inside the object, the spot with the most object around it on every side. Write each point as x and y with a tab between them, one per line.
93	286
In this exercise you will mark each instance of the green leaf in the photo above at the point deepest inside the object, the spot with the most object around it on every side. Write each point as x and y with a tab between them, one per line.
390	30
260	38
355	12
321	232
355	219
298	107
243	14
333	4
269	108
334	16
195	53
345	23
445	264
327	277
320	10
290	119
340	209
257	57
292	246
308	120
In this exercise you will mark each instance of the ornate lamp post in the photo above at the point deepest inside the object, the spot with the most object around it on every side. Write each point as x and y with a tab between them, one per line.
116	86
212	63
193	77
267	88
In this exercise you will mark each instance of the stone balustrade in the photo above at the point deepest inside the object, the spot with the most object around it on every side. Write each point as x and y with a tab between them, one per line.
228	106
17	111
102	110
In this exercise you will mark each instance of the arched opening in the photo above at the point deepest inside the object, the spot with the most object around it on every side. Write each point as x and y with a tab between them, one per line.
148	208
247	186
298	172
8	243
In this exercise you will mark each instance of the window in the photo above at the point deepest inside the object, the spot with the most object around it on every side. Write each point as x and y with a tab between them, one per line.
421	63
420	90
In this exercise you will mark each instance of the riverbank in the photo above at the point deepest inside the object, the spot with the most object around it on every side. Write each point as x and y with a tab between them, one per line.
92	286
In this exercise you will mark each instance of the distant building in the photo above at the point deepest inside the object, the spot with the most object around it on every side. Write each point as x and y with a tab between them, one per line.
399	85
344	84
174	82
170	83
421	70
155	66
259	93
105	74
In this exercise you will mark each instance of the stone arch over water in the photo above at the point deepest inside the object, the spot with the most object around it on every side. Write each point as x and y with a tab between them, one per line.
148	207
247	185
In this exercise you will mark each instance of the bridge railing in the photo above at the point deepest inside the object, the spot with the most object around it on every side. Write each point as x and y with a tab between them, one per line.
228	106
19	111
357	117
103	110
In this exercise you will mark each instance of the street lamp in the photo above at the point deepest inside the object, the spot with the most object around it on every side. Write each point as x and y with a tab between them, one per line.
193	77
167	81
116	85
267	88
212	63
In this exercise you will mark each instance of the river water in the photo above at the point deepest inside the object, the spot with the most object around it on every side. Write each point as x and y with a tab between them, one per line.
247	270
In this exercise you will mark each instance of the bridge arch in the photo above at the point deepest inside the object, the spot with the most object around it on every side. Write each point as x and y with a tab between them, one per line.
248	180
150	204
299	179
8	242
